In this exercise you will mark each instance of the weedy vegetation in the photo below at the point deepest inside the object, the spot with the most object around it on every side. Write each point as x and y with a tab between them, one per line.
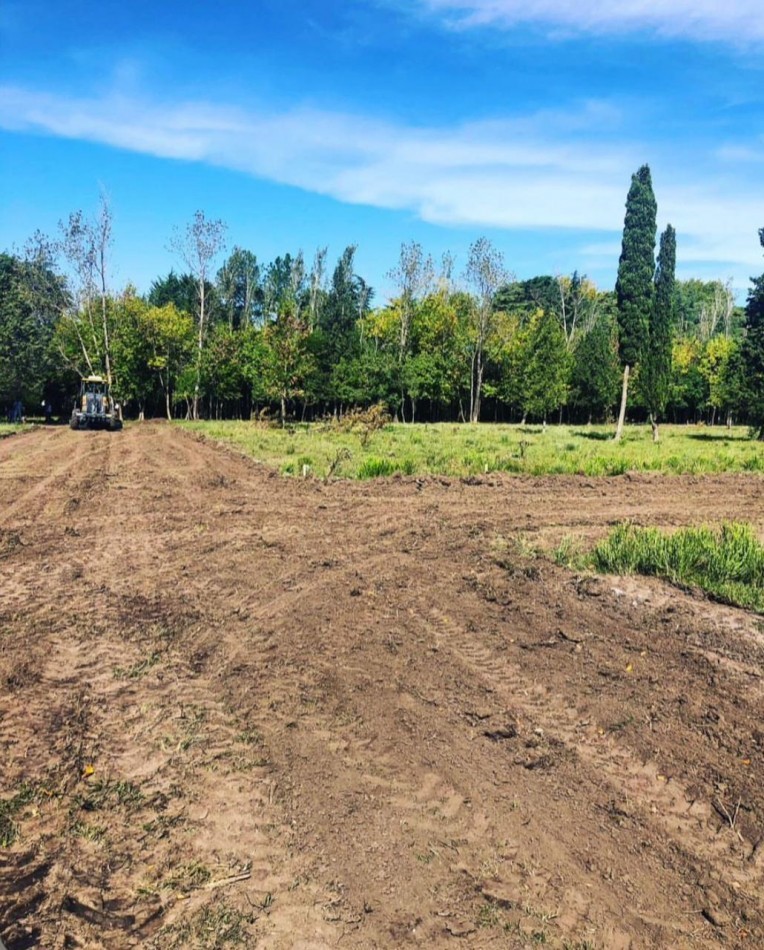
9	809
374	448
726	562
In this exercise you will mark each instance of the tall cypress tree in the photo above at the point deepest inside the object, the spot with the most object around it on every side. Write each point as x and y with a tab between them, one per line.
752	356
657	361
636	268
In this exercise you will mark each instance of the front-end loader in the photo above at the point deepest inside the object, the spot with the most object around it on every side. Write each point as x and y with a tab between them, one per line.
95	408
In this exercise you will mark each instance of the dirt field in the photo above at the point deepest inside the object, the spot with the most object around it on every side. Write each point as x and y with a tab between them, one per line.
242	710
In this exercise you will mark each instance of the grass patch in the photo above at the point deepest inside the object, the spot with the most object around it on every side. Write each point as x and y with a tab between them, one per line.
374	467
103	793
137	670
465	450
9	808
81	829
568	554
7	429
188	877
211	928
726	562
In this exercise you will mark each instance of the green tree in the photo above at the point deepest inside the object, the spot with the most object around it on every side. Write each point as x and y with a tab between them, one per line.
720	367
198	246
485	273
705	308
170	334
131	350
528	296
29	305
547	367
343	308
238	288
223	374
656	368
634	285
688	389
282	285
508	353
179	290
597	369
752	355
287	358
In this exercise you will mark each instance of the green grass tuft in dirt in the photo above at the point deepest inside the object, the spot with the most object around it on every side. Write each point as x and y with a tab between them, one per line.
212	928
9	808
726	562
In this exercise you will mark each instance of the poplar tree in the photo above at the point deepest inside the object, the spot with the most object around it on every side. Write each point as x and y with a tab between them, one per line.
485	273
636	268
657	363
198	246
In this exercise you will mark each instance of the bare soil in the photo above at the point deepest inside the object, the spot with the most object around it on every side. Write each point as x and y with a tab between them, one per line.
237	709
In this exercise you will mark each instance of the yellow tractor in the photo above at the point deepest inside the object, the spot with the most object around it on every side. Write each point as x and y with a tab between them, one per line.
95	408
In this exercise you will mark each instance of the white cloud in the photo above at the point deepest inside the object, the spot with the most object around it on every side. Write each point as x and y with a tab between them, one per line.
736	154
739	21
535	172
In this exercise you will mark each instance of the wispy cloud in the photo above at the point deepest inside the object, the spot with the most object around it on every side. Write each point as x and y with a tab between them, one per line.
738	21
501	173
539	171
741	154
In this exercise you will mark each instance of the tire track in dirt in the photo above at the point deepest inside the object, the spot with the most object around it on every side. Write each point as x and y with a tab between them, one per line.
662	800
246	808
54	465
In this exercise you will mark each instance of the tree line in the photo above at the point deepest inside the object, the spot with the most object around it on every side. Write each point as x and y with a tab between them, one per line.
228	336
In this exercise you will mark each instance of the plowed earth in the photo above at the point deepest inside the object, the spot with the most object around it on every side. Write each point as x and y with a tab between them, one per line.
240	709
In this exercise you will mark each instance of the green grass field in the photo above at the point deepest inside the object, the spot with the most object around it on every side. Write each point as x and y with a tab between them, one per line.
460	450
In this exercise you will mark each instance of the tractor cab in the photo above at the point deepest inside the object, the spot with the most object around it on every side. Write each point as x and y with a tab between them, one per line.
95	408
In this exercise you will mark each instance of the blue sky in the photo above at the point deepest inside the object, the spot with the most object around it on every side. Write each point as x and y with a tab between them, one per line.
303	124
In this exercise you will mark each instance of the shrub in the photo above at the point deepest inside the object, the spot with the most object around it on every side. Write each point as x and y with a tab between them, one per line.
364	422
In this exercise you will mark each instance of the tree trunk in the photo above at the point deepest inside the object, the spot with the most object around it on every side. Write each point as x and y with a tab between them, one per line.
167	404
283	412
199	350
729	419
622	413
654	427
475	410
472	386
